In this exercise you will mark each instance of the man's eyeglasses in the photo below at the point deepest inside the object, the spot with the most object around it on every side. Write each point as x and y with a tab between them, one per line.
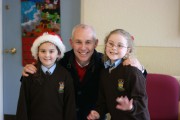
118	46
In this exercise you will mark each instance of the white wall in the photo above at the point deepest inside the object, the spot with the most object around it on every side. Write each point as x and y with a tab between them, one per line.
1	72
152	22
155	24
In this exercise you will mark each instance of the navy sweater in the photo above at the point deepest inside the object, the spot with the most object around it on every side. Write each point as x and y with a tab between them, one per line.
47	97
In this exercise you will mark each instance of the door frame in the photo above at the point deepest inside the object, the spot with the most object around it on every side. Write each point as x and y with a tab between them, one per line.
1	64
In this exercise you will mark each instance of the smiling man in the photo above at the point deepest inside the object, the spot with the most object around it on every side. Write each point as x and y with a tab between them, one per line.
84	63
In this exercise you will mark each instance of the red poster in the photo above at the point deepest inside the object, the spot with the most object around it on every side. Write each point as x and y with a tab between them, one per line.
37	16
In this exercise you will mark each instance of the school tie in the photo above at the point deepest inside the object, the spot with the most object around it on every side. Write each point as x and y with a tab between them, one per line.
111	68
48	73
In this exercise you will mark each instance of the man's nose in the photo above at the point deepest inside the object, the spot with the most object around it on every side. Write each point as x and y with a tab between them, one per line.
83	46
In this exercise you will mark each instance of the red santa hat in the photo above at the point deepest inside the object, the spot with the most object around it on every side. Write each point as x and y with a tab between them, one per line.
48	37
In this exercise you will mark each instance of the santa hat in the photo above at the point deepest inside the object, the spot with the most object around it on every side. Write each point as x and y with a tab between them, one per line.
48	37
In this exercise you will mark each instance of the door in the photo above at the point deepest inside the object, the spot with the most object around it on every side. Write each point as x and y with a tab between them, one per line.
12	66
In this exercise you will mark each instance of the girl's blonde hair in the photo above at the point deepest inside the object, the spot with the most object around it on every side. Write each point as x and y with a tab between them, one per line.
127	36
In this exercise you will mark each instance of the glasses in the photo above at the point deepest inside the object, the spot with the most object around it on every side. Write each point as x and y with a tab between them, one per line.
118	46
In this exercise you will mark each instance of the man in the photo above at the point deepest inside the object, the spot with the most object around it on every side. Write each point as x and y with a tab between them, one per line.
84	63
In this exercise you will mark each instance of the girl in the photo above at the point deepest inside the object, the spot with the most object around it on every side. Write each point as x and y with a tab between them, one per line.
122	88
47	96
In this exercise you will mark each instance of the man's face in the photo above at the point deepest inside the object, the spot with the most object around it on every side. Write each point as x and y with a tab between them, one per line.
83	45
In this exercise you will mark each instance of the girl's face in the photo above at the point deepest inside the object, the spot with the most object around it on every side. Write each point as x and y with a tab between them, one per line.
116	47
48	54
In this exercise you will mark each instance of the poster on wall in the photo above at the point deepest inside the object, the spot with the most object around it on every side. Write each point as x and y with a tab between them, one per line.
37	17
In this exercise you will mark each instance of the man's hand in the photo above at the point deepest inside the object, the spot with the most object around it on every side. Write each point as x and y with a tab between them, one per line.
133	62
29	68
93	115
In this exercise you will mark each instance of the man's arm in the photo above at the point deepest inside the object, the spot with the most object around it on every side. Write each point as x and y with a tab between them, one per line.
135	62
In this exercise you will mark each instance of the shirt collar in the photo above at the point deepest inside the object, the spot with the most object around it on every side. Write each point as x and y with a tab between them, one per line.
51	69
114	65
82	65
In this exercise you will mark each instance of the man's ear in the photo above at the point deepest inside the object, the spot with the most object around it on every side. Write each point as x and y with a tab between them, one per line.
71	42
96	43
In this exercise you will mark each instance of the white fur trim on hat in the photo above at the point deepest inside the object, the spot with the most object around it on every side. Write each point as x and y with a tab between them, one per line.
55	39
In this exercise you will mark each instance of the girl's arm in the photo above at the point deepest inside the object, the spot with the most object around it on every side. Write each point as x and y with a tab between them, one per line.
69	99
22	107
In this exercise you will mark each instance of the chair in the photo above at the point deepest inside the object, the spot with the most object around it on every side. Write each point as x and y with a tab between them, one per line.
163	96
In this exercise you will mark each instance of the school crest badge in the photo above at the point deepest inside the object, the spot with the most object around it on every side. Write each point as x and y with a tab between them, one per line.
61	87
121	85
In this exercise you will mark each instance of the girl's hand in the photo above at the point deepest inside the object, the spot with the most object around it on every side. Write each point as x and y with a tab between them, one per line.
124	103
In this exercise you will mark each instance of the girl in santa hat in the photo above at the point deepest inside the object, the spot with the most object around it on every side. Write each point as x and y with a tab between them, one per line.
48	94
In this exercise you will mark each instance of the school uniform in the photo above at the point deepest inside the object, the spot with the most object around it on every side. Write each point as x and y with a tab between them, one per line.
123	81
47	97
